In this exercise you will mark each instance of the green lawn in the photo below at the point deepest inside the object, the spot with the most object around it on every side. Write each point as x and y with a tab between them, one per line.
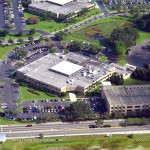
24	36
51	25
104	27
48	26
25	95
89	142
6	49
143	36
131	81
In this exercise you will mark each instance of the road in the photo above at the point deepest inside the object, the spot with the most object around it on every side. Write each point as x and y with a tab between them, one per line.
68	130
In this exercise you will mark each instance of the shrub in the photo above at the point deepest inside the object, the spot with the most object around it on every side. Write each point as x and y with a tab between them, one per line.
130	136
33	20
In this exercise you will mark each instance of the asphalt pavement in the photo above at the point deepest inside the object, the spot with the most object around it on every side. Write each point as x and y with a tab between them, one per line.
1	17
76	131
17	19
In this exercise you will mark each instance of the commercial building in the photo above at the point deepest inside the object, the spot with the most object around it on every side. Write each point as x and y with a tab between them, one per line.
60	9
72	72
62	73
127	98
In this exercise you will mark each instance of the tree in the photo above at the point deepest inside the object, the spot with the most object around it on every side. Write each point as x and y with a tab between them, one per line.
30	38
83	11
116	79
119	49
33	20
31	31
52	50
141	74
76	46
20	54
20	40
20	33
79	111
10	41
99	122
60	35
143	23
41	136
4	33
127	35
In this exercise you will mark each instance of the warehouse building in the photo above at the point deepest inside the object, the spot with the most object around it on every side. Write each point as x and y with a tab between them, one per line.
59	9
127	98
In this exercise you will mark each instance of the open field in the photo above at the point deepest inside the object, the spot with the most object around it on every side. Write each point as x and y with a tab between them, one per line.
92	142
26	95
131	81
51	25
104	27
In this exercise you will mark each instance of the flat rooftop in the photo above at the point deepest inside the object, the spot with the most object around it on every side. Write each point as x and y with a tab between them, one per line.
59	2
128	94
41	70
65	9
66	68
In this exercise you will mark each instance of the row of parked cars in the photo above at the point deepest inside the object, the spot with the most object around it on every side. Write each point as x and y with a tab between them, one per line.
8	15
21	13
43	109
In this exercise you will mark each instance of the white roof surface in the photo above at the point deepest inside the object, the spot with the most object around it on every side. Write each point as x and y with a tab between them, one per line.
66	68
60	2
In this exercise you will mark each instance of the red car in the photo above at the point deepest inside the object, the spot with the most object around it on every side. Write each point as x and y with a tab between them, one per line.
29	125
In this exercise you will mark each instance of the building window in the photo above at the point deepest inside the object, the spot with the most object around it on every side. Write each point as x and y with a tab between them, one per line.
129	106
129	110
137	106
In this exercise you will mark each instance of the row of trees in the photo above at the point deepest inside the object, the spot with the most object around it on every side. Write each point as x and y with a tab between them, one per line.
76	46
141	74
136	121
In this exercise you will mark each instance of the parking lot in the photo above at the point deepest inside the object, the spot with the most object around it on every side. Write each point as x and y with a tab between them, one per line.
18	15
34	109
2	24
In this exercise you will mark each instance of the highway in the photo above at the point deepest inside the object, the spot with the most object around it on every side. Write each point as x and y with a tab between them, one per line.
71	131
67	129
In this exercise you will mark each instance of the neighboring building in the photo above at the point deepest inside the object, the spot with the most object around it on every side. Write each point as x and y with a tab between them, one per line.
111	2
62	73
126	98
2	138
60	9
